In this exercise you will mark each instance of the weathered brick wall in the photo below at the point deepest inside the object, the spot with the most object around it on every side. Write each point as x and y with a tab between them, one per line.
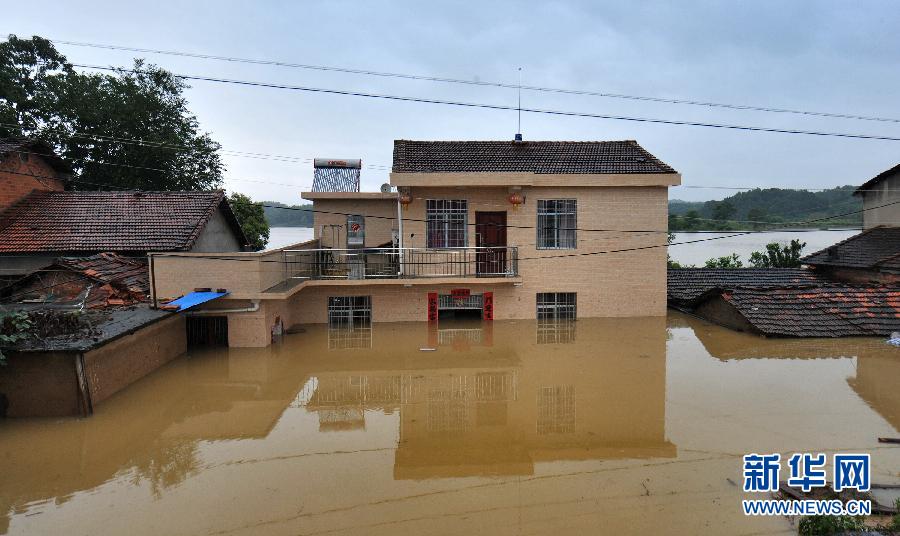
19	176
116	365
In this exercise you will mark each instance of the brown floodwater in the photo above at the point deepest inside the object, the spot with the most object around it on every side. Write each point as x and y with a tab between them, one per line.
614	426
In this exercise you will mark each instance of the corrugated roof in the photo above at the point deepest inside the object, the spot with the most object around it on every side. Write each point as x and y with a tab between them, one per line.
545	157
874	248
109	221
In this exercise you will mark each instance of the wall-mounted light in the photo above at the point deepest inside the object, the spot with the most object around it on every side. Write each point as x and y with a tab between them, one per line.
405	198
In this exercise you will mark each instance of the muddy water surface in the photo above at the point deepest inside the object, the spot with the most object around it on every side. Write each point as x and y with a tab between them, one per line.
598	426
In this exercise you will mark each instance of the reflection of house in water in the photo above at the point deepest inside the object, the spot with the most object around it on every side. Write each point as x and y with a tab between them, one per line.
499	409
877	363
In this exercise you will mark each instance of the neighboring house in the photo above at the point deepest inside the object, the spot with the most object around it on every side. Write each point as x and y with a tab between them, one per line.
495	229
27	165
784	302
40	221
873	256
45	225
881	199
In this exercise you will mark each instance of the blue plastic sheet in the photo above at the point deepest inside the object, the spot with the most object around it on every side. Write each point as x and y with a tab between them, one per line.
195	298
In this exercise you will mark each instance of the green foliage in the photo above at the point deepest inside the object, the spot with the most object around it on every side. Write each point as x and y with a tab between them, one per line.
768	206
778	256
824	525
731	261
252	219
14	327
281	215
42	96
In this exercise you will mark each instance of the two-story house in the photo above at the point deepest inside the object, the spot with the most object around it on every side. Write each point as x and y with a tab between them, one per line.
515	229
492	229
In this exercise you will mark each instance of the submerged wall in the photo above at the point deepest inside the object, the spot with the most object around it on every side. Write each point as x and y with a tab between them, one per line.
56	384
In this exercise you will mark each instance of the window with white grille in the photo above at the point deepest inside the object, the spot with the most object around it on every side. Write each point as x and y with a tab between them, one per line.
349	311
556	305
557	220
445	223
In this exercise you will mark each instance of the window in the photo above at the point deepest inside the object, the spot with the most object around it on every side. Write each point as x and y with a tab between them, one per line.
556	410
349	311
556	305
556	223
356	231
445	223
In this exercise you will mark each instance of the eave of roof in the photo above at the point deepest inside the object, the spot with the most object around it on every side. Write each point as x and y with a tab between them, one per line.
876	179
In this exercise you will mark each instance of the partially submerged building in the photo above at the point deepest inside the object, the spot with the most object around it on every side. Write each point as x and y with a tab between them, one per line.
498	229
847	289
784	302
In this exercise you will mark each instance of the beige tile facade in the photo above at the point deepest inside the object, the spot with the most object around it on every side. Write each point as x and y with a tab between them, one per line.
609	282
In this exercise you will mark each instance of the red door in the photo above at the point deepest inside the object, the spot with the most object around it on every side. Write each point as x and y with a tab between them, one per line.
490	237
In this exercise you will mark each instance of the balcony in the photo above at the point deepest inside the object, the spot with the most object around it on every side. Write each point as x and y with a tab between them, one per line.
394	263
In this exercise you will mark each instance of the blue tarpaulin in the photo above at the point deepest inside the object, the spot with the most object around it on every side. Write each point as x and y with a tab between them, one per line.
194	298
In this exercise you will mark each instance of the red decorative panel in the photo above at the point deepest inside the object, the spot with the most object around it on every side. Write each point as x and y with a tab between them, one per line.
488	312
432	307
460	293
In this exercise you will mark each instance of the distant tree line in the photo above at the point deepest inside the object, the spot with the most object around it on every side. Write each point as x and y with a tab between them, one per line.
282	215
763	208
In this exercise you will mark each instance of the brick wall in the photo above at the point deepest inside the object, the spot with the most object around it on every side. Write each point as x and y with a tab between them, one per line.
15	182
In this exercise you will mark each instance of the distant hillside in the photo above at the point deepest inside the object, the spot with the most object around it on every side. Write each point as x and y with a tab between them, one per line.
281	215
772	205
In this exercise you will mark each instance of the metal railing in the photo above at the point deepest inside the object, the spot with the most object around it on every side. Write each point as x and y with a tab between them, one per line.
395	263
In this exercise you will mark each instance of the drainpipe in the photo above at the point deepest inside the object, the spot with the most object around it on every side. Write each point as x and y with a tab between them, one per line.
252	309
400	232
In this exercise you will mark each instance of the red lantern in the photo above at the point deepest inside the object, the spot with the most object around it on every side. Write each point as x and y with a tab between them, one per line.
516	199
405	199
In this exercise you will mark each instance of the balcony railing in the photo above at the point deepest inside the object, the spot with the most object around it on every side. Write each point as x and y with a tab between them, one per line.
394	263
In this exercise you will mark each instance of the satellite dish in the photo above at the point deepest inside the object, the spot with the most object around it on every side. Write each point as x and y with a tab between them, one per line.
385	188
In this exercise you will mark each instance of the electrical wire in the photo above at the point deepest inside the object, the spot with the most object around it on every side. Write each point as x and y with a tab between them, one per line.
565	91
501	107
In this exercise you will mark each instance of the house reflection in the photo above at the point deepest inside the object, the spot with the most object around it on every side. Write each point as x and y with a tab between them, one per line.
877	363
525	392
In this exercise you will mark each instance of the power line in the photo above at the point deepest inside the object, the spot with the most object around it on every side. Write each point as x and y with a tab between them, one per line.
565	91
419	220
502	107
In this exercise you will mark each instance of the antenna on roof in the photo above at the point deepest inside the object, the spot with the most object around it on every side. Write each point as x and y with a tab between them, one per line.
519	129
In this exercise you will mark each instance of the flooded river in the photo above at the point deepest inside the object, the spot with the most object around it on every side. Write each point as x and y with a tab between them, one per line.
614	426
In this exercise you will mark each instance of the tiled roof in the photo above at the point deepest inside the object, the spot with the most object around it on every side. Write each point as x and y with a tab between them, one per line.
129	273
36	147
834	311
686	285
526	157
876	179
109	221
878	247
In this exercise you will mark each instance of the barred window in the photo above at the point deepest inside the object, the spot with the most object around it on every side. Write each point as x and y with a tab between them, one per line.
556	410
557	221
556	305
349	311
445	223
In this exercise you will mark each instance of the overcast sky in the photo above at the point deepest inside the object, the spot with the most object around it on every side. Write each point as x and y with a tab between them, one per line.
841	57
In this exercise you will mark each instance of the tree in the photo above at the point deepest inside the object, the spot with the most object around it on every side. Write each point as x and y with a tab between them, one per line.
732	261
757	217
252	219
691	219
778	256
131	129
723	211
